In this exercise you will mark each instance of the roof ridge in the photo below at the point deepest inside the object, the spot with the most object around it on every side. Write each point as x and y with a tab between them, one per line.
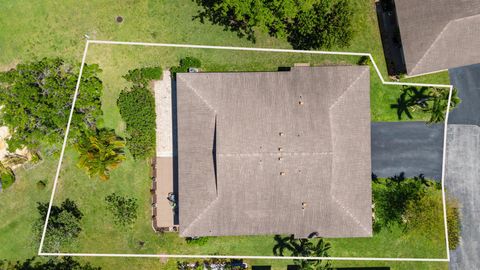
431	46
194	90
347	89
199	216
349	214
274	154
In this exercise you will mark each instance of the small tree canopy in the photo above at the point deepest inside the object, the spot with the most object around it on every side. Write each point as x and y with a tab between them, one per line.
307	24
37	99
63	224
123	209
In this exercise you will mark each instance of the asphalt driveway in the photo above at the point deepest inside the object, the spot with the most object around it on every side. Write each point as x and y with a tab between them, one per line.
410	147
467	81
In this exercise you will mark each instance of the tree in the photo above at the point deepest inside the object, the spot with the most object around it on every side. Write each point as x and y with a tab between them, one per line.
123	209
438	110
311	247
309	24
325	25
100	152
63	224
37	99
62	263
427	99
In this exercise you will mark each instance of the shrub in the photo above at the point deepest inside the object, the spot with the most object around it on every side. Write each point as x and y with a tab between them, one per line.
185	64
7	179
364	61
123	209
200	241
453	223
41	184
143	76
137	108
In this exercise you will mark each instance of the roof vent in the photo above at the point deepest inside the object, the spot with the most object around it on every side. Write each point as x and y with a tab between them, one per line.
304	204
280	158
280	149
282	173
281	134
300	102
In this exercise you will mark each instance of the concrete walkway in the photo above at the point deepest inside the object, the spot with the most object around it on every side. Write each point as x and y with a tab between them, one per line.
164	162
410	147
462	180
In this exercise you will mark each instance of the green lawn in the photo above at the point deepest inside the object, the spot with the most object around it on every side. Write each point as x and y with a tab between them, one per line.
39	29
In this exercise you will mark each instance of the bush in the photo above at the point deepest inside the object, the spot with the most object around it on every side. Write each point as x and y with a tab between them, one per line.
7	179
137	108
143	76
41	184
453	223
200	241
185	64
123	209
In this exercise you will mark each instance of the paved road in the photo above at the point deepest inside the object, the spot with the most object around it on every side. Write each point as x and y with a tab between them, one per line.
410	147
463	182
467	81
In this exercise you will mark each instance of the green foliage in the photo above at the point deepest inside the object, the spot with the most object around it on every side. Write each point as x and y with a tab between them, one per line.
143	76
185	64
392	196
37	99
364	61
325	25
307	24
210	264
453	223
123	209
7	177
61	263
427	99
311	247
63	224
200	241
137	108
101	151
41	184
426	215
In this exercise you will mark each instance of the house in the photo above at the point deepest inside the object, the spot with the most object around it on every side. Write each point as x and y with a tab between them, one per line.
438	34
275	152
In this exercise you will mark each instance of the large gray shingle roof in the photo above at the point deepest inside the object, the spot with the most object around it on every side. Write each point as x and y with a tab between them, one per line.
250	154
439	34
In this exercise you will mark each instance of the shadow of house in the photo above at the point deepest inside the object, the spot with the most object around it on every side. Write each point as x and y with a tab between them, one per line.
176	219
390	34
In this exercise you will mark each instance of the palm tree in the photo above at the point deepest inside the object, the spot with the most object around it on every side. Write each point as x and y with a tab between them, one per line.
100	152
305	247
440	104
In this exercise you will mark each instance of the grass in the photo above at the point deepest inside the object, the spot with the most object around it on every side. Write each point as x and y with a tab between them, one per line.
48	29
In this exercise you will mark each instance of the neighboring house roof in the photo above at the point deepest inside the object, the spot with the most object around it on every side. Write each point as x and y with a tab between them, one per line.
255	148
439	34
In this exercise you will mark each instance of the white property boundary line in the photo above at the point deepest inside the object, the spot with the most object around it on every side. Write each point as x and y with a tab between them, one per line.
450	87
